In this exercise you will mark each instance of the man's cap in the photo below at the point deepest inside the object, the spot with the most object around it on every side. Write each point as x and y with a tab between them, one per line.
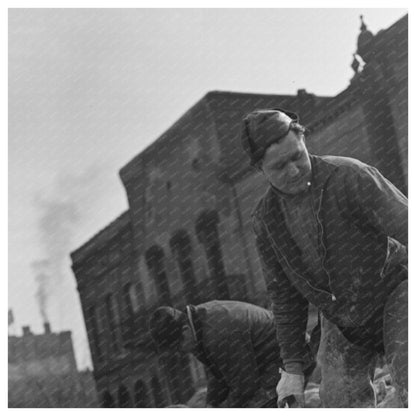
261	128
165	327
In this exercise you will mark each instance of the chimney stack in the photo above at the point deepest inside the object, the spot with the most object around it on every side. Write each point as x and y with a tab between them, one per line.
47	327
26	331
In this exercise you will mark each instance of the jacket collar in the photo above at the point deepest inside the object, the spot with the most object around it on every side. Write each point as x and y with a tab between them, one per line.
321	171
272	215
200	352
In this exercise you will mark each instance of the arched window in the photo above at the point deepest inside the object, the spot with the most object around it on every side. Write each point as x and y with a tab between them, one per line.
127	299
155	263
113	321
181	247
107	400
123	397
141	398
206	228
135	297
157	392
92	325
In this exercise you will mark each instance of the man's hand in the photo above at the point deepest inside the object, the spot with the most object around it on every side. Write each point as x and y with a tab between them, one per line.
290	390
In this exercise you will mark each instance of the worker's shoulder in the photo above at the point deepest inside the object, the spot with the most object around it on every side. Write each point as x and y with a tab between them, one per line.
343	162
229	307
341	168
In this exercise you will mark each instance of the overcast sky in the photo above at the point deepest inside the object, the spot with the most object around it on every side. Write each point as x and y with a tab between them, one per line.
90	88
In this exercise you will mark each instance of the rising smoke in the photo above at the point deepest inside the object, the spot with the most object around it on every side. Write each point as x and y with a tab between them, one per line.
56	223
42	278
61	212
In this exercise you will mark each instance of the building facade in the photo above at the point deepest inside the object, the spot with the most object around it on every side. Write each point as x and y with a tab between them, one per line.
42	372
186	236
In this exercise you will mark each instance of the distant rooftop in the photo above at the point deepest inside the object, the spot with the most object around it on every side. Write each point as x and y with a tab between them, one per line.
31	346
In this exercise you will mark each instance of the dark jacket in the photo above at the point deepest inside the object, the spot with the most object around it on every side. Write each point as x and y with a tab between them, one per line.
362	218
236	342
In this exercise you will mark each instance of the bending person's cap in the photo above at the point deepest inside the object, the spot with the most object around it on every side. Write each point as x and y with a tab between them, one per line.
165	327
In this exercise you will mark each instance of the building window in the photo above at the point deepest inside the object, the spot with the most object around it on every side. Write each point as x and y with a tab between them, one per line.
181	247
113	322
127	299
157	392
123	397
92	325
141	398
132	297
155	263
196	164
107	400
206	228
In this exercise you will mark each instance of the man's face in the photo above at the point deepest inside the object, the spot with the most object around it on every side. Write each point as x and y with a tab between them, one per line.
287	166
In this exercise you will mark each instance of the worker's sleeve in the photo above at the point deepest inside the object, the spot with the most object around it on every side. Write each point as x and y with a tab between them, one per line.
371	195
290	308
217	389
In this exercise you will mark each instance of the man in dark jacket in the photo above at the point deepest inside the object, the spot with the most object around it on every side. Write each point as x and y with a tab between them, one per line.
330	231
235	341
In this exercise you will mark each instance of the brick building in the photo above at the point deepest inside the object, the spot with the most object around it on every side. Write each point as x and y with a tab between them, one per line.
43	372
186	236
